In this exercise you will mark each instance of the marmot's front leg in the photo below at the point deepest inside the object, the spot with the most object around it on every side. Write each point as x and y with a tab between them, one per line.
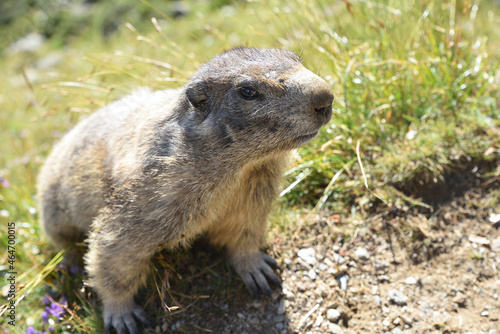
118	265
243	235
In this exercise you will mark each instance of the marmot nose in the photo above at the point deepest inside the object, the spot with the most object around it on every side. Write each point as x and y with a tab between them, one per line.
322	101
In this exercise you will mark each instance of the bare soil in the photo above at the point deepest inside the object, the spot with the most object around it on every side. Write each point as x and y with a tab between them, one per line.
411	271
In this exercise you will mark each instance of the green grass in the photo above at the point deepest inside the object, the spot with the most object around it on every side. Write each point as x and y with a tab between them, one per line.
416	86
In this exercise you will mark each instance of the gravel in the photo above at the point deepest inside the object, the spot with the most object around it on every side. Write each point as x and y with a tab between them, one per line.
330	285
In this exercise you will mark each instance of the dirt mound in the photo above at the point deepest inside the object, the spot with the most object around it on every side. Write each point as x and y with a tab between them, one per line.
433	271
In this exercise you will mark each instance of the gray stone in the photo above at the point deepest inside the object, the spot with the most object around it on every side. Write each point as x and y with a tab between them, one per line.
343	280
281	307
397	297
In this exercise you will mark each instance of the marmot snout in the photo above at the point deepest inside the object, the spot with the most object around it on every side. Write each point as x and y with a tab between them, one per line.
159	168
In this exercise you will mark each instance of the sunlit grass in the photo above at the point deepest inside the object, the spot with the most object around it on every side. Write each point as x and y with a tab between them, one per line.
416	85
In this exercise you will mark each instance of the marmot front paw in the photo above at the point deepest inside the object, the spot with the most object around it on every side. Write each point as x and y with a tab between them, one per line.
123	319
257	270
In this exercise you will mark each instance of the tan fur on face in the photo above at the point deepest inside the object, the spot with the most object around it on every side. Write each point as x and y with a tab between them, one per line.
157	169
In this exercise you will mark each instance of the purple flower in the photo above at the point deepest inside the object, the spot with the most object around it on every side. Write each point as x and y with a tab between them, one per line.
46	300
73	270
51	329
56	310
45	316
4	182
30	330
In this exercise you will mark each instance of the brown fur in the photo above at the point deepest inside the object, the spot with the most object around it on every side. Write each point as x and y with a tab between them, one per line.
157	169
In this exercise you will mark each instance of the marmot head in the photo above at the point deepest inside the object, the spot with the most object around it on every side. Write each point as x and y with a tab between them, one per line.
263	99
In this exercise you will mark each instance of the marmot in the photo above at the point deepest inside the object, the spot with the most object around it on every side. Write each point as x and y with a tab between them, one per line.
158	168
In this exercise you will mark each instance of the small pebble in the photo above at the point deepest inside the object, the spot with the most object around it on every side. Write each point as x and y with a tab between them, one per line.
397	297
308	255
383	278
338	258
407	319
281	307
362	254
333	315
411	280
343	280
319	321
460	299
495	245
312	274
334	329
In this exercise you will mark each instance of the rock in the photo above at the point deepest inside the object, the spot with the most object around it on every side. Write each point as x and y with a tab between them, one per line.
460	299
494	218
279	325
397	297
343	279
381	266
411	280
334	329
407	319
383	278
308	255
479	240
319	321
338	258
485	313
322	267
362	254
164	327
333	315
281	307
312	274
495	245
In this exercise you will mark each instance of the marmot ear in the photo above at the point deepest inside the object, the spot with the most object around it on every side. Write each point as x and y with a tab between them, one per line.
197	93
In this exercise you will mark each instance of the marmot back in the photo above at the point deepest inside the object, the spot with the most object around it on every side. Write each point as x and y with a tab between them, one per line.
157	169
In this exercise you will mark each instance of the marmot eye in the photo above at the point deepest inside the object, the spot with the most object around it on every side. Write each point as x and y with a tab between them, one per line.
248	92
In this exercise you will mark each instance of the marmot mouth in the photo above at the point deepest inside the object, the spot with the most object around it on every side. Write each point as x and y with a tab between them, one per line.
301	140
